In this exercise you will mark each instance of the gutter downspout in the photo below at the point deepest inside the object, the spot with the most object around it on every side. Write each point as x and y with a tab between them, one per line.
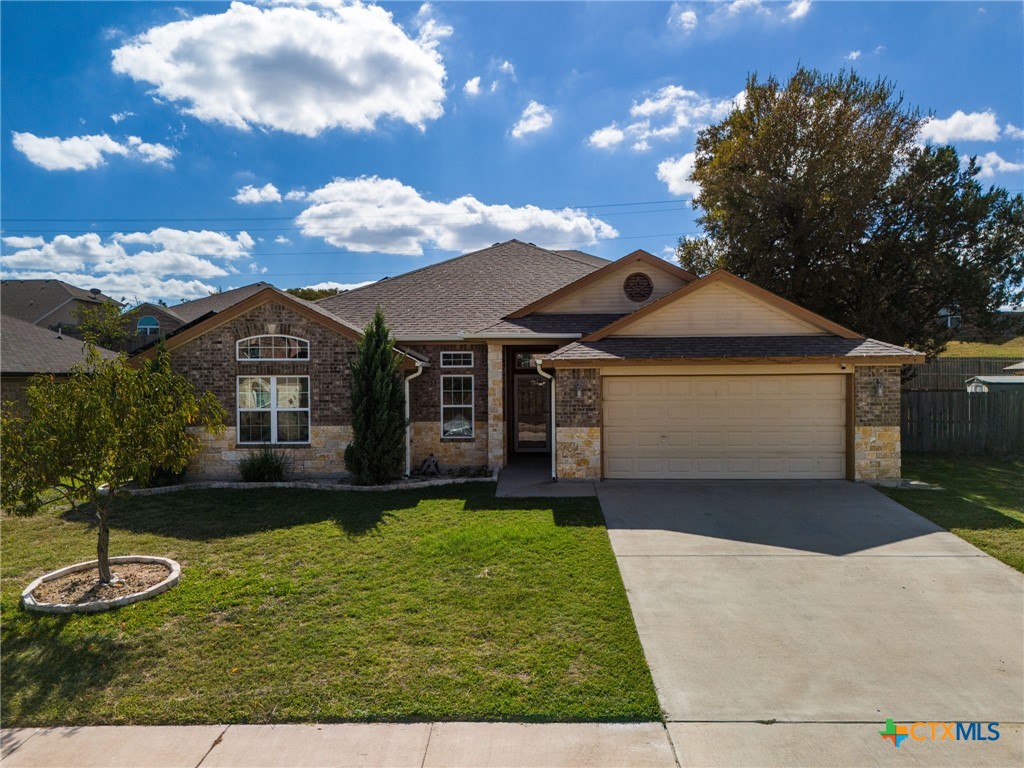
408	424
554	443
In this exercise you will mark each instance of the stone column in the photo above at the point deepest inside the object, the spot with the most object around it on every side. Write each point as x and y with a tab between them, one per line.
876	422
495	406
578	424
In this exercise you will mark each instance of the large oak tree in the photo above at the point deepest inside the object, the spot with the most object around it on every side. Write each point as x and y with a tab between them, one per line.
819	190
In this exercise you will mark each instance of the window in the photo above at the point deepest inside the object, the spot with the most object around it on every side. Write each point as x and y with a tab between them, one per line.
456	359
456	406
524	361
147	326
272	348
273	409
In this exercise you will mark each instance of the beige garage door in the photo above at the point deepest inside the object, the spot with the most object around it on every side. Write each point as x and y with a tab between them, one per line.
724	426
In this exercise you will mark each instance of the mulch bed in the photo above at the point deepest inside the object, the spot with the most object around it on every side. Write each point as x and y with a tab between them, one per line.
84	586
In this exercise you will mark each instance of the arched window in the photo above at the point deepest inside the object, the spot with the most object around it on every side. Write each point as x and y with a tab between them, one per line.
147	326
272	348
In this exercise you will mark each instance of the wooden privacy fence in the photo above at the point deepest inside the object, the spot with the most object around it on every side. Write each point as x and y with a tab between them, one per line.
966	422
953	372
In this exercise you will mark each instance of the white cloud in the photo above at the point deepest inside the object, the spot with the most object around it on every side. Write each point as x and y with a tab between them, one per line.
536	117
164	263
976	126
80	153
472	86
282	240
249	194
256	269
302	70
675	173
683	20
798	9
665	115
1011	131
507	68
991	163
372	214
117	117
431	30
852	55
295	194
332	286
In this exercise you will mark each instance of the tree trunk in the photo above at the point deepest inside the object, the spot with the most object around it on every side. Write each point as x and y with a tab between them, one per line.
103	545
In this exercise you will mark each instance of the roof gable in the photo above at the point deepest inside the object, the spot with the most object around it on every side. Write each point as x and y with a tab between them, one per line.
722	304
602	291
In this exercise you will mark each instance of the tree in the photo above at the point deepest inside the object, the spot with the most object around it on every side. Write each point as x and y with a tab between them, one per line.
819	191
377	450
102	324
312	294
106	423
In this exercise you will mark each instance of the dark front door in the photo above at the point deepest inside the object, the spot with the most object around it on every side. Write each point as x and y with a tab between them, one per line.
531	422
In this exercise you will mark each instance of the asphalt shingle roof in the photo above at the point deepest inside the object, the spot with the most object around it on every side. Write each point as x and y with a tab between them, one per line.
217	302
709	347
548	324
31	300
26	349
465	294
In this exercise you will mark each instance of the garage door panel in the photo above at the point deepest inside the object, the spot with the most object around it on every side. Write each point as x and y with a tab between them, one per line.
777	426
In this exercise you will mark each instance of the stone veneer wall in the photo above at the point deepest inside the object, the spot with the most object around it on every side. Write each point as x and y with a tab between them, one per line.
876	423
578	424
496	406
425	408
209	362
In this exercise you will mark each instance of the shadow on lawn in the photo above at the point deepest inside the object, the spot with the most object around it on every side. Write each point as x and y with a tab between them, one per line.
52	665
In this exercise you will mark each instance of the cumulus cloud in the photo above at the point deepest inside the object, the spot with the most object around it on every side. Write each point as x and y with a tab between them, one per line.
330	285
164	263
991	163
507	68
373	214
282	240
431	30
1011	131
798	9
732	10
80	153
301	70
675	172
536	117
853	55
472	86
682	19
976	126
664	115
249	194
295	194
117	117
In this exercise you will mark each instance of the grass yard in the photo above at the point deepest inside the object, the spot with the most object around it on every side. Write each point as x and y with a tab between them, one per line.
1012	348
297	605
982	500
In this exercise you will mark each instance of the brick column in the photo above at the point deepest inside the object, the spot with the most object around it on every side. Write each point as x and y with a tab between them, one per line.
578	424
495	406
876	422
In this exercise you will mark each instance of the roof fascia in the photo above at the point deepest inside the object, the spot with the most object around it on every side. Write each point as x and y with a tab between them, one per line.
594	362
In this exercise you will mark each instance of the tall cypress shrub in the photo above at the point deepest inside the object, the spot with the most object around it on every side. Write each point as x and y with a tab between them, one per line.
377	451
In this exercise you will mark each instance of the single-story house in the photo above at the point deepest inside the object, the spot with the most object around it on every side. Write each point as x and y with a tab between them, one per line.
27	350
633	368
48	303
1011	383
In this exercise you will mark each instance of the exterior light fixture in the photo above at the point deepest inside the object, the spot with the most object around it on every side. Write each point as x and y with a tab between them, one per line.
878	388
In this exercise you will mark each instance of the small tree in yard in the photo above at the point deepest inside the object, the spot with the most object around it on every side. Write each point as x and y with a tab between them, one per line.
102	324
377	450
106	423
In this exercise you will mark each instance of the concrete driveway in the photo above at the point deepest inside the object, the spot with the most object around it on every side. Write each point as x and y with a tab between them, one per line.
824	606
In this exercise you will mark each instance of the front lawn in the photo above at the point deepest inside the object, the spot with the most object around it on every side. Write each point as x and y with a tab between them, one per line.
982	500
296	605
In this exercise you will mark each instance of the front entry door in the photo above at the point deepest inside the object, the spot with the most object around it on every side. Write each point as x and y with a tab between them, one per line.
532	413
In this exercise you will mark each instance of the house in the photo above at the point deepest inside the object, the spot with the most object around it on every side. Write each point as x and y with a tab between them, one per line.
981	384
48	303
27	350
633	368
1017	369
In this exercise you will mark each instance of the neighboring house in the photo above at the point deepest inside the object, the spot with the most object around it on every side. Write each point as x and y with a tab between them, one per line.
995	384
27	350
48	303
1017	369
626	369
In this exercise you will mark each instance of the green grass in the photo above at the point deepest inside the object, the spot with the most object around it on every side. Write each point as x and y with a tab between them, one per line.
297	605
1011	348
982	500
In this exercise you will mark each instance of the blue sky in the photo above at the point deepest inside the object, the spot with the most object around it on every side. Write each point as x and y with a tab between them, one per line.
164	150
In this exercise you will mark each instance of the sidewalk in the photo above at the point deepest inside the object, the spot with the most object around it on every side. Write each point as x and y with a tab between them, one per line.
416	745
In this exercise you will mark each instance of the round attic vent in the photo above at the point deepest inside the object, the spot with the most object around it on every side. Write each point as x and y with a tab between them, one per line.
638	287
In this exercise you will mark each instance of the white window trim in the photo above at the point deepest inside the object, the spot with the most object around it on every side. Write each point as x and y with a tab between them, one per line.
273	410
240	359
456	352
147	330
471	406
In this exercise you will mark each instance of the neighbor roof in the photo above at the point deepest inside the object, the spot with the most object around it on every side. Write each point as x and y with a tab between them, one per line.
26	349
33	300
1015	367
617	349
217	302
465	294
997	379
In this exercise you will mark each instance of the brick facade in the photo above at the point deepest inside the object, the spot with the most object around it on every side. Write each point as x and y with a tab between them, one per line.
578	418
876	422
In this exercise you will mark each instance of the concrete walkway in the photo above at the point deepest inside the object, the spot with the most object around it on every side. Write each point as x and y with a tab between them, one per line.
530	477
416	745
823	608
